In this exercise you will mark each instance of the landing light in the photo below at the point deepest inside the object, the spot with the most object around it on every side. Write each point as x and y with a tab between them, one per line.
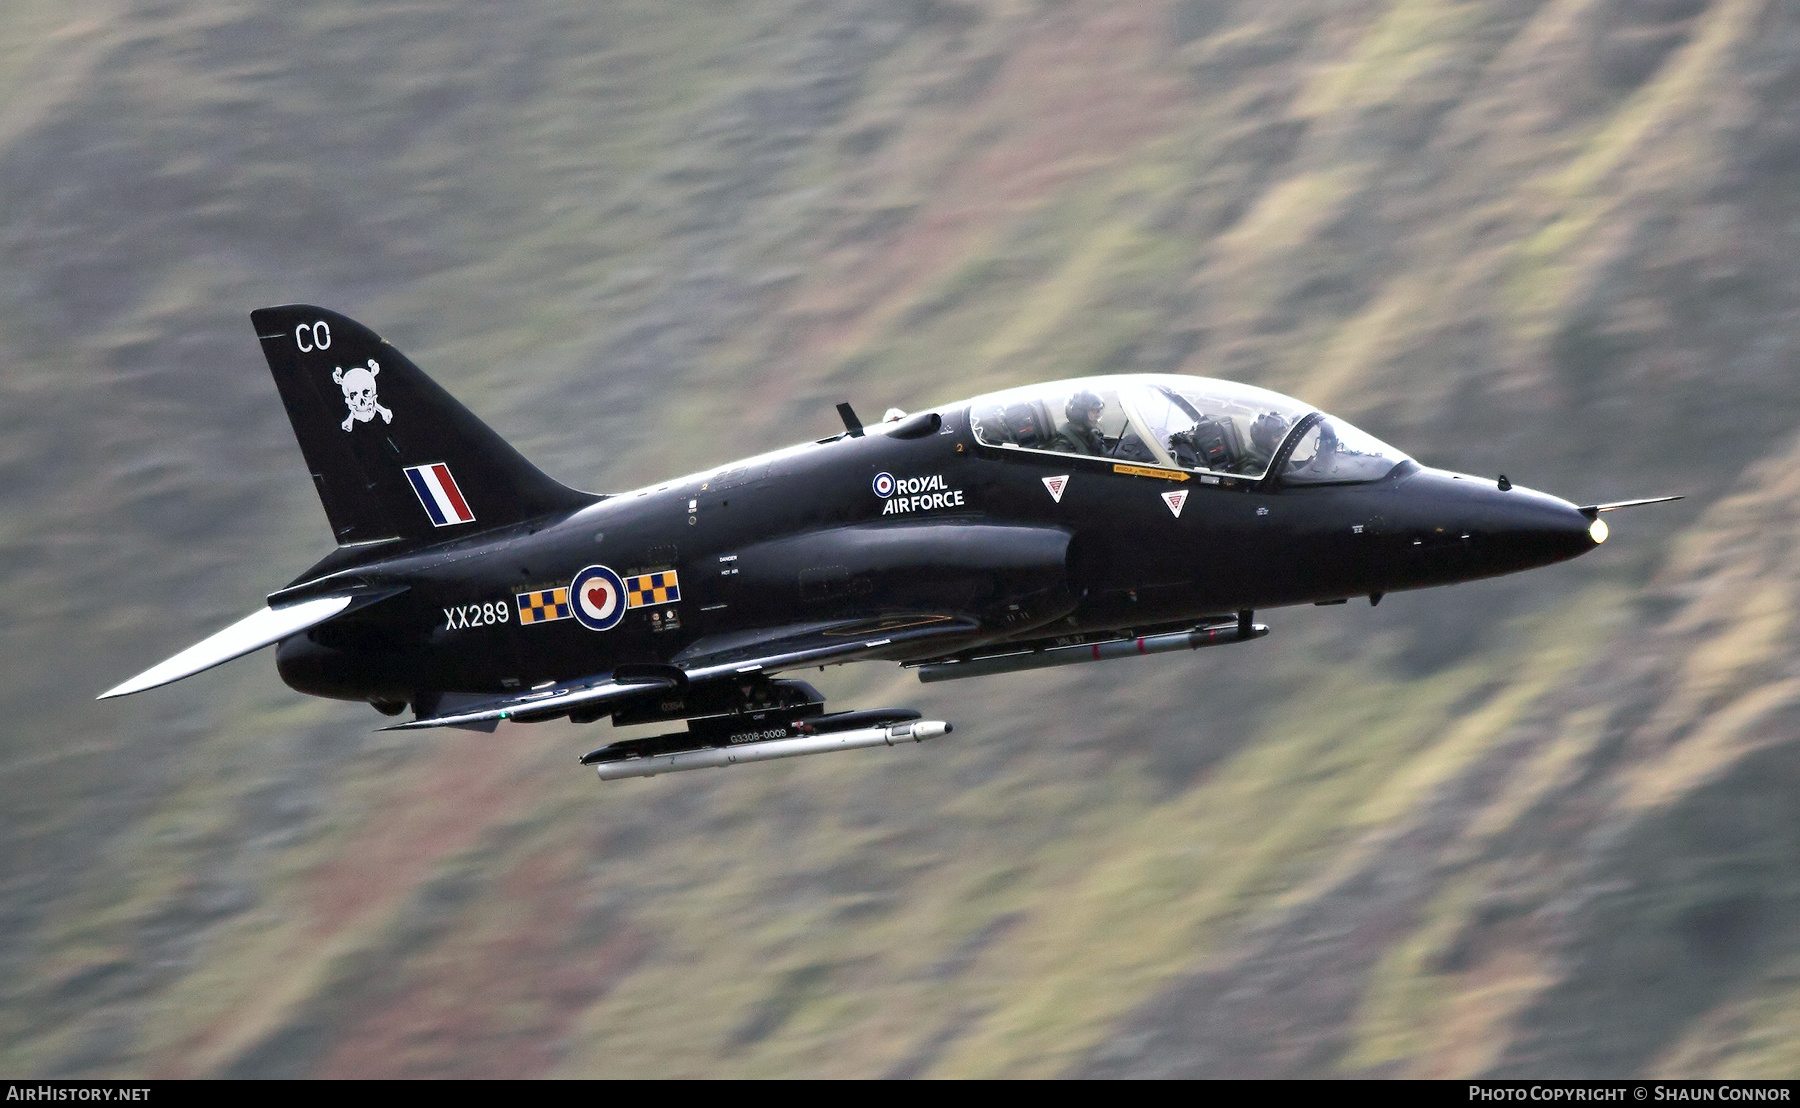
1597	531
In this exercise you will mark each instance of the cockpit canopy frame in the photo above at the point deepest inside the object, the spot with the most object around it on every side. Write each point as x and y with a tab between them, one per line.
1229	433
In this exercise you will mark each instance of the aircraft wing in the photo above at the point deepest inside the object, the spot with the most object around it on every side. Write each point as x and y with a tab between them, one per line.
542	704
716	658
777	648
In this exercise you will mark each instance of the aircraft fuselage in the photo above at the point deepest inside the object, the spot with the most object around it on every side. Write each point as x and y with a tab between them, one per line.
1037	545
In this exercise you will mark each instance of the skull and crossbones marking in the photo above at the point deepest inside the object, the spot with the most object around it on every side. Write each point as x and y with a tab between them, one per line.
359	395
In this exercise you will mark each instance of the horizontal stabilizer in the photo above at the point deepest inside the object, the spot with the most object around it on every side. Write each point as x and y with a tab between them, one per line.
253	632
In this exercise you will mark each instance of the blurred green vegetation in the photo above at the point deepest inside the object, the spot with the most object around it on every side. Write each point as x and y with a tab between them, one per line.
1542	825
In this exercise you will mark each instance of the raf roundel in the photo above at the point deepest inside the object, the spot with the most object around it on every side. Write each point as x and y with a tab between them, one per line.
884	485
597	597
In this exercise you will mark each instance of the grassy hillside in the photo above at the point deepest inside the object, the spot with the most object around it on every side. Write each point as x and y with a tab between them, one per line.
1541	825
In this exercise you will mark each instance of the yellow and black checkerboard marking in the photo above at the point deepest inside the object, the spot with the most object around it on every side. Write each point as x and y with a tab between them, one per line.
541	607
652	588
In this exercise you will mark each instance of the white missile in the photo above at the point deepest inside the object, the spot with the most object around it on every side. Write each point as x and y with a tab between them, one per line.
915	731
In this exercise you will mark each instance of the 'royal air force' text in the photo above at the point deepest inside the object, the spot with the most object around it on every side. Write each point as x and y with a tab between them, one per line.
921	494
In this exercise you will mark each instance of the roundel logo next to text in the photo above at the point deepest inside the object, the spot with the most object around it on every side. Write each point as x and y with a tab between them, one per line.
597	598
884	485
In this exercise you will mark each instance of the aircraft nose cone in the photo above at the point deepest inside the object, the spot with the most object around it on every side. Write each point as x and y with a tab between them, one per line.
1491	530
1525	528
1548	529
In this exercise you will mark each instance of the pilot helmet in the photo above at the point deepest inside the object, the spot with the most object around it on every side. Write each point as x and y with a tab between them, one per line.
1084	401
1022	421
1267	431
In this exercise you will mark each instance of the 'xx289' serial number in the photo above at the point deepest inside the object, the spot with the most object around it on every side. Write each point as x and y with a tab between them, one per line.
476	615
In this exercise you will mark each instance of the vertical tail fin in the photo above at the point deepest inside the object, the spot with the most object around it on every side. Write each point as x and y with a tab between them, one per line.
392	454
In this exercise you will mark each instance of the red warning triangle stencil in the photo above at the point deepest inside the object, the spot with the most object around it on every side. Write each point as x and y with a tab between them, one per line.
1056	485
1175	500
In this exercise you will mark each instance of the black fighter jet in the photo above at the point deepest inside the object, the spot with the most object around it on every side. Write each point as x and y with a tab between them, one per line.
1039	526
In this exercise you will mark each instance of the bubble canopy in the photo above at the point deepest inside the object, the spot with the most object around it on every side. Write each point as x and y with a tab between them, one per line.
1179	422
